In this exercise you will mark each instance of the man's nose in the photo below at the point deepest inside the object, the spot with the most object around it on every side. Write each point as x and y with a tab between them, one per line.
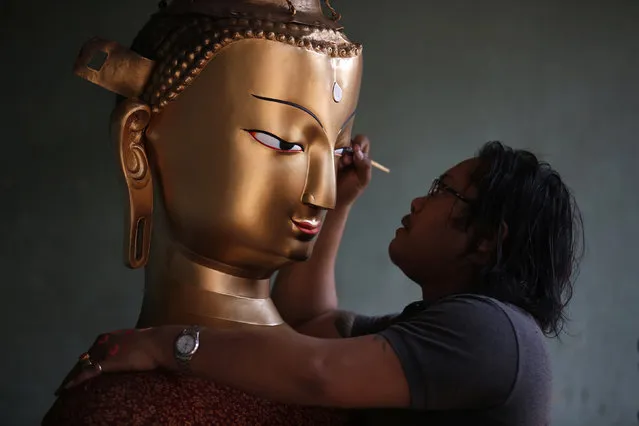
417	204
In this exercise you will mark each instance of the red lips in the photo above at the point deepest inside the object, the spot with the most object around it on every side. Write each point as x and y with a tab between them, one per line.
307	226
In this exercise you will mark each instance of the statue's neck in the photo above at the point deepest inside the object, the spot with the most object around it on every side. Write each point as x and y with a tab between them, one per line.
181	290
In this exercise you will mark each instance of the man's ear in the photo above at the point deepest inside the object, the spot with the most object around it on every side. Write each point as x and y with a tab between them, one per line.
485	249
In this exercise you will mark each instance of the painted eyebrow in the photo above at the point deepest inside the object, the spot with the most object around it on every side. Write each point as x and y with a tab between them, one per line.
289	103
350	117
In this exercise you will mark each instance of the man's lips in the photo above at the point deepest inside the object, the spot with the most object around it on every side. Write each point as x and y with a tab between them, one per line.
307	226
406	222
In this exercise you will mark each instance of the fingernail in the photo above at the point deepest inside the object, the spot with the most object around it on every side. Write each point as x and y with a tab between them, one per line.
359	154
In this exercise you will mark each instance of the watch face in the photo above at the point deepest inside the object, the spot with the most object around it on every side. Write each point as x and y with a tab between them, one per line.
185	344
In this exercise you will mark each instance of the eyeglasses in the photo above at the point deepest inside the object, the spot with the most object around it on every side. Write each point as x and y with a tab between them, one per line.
438	187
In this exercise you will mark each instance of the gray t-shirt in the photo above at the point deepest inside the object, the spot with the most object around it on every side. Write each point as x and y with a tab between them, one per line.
468	360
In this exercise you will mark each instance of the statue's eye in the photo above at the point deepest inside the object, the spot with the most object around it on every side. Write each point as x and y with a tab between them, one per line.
343	151
271	141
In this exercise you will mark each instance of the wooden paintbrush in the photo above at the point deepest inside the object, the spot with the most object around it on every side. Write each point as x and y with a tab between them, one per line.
380	167
349	151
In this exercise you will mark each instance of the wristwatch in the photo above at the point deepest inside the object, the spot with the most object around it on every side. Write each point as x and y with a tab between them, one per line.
186	344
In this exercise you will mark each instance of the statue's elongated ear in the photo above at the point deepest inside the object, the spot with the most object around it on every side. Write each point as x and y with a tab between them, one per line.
128	124
122	71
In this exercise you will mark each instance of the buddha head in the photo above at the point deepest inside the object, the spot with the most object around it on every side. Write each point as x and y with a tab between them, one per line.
233	114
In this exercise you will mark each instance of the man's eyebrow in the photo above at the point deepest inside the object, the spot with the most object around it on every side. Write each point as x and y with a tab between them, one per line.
289	103
445	179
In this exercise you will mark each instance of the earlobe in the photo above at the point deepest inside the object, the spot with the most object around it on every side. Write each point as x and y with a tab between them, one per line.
487	246
128	124
490	243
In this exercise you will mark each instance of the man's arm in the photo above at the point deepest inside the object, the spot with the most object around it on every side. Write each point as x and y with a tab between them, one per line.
460	354
283	365
345	324
304	292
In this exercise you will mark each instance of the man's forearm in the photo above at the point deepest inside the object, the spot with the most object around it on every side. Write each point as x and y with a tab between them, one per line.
305	290
279	364
274	363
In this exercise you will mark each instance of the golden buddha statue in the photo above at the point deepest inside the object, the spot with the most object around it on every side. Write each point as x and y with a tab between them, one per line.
229	120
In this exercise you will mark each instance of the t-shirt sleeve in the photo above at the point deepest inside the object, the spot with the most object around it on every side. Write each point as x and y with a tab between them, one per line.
458	354
364	325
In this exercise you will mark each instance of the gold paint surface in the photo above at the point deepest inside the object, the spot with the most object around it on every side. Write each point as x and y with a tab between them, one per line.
123	71
230	199
227	142
128	123
307	12
211	306
183	269
180	290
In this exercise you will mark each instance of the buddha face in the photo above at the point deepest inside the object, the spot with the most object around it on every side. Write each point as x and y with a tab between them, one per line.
246	155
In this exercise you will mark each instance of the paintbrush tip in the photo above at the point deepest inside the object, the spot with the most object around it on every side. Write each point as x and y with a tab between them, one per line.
380	167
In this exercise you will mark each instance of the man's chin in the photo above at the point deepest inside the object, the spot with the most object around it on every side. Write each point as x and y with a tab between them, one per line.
392	251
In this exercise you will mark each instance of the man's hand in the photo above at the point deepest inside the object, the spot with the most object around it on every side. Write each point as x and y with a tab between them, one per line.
354	173
124	350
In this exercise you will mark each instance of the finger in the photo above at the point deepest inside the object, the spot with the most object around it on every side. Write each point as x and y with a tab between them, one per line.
102	346
68	378
114	349
363	142
102	339
346	160
80	365
86	374
124	331
359	156
363	166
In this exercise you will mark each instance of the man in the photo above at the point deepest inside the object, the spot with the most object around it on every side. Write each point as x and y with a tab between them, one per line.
492	246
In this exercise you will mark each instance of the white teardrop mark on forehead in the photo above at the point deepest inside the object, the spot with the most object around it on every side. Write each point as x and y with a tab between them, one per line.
337	92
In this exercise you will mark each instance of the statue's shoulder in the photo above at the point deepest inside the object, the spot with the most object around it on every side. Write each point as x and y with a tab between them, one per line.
164	398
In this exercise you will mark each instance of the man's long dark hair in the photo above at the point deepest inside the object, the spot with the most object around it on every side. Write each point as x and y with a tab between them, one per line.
535	264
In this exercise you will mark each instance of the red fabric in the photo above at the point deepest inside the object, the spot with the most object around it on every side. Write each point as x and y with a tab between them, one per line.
162	398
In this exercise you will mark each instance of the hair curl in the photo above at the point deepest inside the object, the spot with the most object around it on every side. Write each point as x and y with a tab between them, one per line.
535	264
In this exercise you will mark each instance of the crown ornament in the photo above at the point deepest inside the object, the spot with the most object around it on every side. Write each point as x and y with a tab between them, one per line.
159	66
303	12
